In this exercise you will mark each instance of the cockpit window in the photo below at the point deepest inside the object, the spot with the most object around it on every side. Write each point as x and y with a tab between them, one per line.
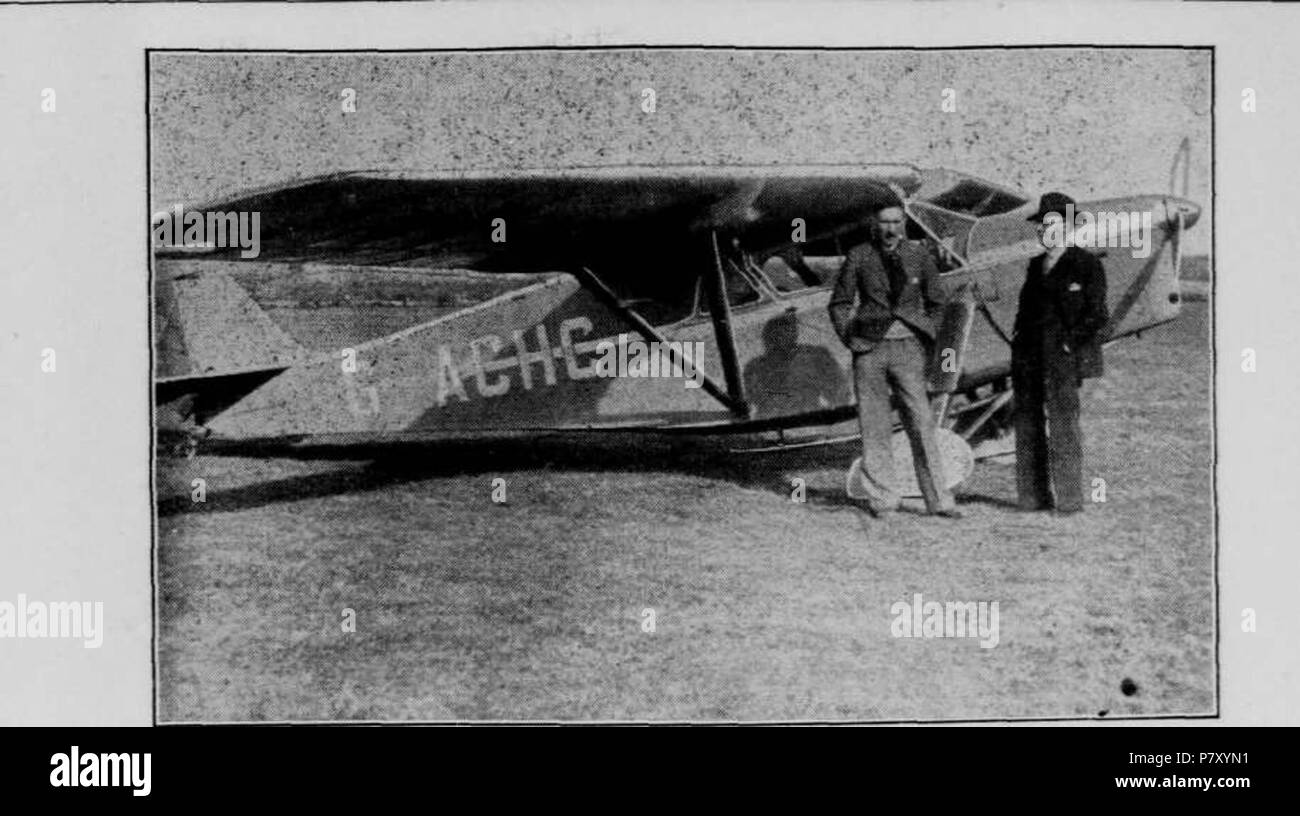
947	231
949	205
973	197
789	271
740	290
783	278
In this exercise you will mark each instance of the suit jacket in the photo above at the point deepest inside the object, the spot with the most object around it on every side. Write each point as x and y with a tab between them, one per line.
859	305
1061	317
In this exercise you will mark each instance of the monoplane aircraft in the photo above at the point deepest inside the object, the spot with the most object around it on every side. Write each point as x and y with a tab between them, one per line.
727	269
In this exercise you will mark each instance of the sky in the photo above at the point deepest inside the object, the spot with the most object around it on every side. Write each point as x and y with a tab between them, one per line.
1090	122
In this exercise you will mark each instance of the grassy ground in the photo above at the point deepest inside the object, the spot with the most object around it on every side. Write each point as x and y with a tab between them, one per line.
764	608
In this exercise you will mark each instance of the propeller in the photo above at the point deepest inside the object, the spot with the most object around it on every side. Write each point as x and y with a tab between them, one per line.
1181	162
1175	216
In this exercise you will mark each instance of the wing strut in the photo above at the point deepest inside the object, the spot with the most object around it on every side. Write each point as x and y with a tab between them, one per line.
607	296
715	288
950	348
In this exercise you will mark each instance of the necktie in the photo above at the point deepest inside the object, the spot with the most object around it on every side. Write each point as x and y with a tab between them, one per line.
897	277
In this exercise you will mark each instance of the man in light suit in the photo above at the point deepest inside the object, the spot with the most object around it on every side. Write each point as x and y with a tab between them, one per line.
1057	344
884	307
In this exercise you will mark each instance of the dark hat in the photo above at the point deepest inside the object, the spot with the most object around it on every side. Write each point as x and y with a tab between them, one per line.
1051	203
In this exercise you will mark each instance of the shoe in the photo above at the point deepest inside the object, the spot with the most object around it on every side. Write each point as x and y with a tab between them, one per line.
950	513
1067	511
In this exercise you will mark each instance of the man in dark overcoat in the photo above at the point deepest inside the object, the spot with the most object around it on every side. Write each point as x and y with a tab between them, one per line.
1057	344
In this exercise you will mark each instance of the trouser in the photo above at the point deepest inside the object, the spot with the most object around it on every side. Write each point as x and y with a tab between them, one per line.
897	366
1049	446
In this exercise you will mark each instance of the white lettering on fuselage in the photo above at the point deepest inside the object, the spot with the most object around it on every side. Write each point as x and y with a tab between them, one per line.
623	356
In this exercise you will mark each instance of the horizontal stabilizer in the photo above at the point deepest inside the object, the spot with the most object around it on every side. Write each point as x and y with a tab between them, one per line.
213	389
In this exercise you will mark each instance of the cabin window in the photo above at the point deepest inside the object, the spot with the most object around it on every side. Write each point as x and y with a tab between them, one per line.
975	198
740	288
740	291
790	272
948	233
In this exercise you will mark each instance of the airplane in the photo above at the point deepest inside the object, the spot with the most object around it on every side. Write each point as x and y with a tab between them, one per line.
727	269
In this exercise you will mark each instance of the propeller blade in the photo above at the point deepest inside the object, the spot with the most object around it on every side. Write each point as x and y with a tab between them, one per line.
1182	158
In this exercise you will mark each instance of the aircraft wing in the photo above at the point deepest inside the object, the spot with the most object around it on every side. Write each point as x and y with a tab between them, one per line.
611	217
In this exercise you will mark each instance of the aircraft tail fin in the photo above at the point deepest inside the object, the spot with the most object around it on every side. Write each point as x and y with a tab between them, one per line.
206	324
